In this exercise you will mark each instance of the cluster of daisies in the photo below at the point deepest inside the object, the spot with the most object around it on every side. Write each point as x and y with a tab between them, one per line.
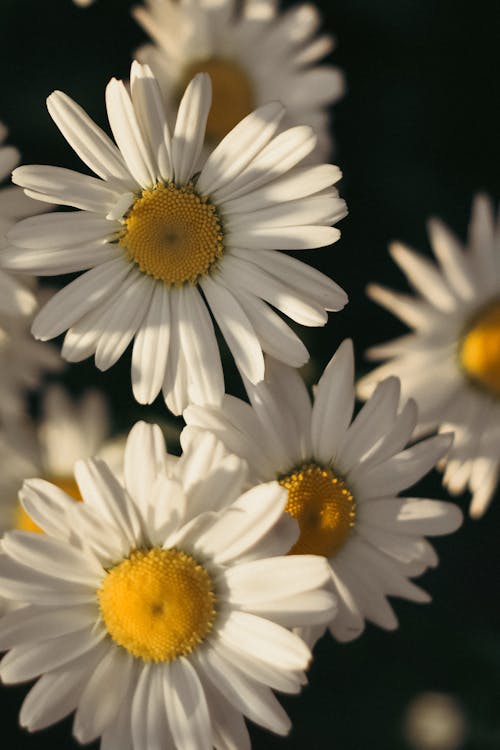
168	603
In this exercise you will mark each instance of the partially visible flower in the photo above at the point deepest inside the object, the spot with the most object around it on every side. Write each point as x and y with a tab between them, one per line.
165	243
15	299
23	362
450	363
158	611
343	480
66	432
254	55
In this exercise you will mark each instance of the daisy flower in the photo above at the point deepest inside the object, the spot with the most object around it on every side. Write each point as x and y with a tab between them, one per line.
254	54
15	299
343	479
166	243
66	432
158	611
450	363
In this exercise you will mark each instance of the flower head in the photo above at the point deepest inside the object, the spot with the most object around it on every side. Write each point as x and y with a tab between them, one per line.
450	363
157	609
343	478
253	53
167	239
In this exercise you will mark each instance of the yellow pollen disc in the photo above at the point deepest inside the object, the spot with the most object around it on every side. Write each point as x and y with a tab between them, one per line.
24	522
173	234
480	349
232	94
324	509
158	604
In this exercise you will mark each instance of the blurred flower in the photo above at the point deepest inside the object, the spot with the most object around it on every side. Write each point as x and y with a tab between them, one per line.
342	479
67	431
23	362
450	363
155	233
253	54
153	627
435	721
15	299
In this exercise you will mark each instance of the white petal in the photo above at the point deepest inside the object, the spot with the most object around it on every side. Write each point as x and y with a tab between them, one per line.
79	297
334	404
197	338
128	135
187	709
251	698
27	661
124	319
61	230
151	345
189	132
91	144
236	329
52	556
99	705
66	187
239	147
242	525
150	112
144	459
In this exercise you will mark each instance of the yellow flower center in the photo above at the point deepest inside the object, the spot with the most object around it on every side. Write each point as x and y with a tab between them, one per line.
158	604
479	350
24	522
173	234
232	94
324	509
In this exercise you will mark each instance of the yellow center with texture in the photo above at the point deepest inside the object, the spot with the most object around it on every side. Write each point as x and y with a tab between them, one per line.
480	349
173	234
158	604
324	509
232	94
24	522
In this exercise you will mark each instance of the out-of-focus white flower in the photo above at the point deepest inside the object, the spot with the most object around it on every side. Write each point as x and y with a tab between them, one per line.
15	298
254	55
165	243
343	480
159	610
450	363
66	432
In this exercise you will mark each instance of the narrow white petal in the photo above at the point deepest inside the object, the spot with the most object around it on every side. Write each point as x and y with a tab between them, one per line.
145	458
91	144
187	708
151	346
236	329
197	338
150	111
66	187
128	135
334	404
61	230
189	132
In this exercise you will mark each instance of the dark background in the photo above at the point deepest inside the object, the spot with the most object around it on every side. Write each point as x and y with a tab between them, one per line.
417	135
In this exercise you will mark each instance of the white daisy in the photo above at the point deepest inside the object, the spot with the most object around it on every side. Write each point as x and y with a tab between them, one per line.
450	363
66	432
343	481
158	611
15	299
156	234
253	53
